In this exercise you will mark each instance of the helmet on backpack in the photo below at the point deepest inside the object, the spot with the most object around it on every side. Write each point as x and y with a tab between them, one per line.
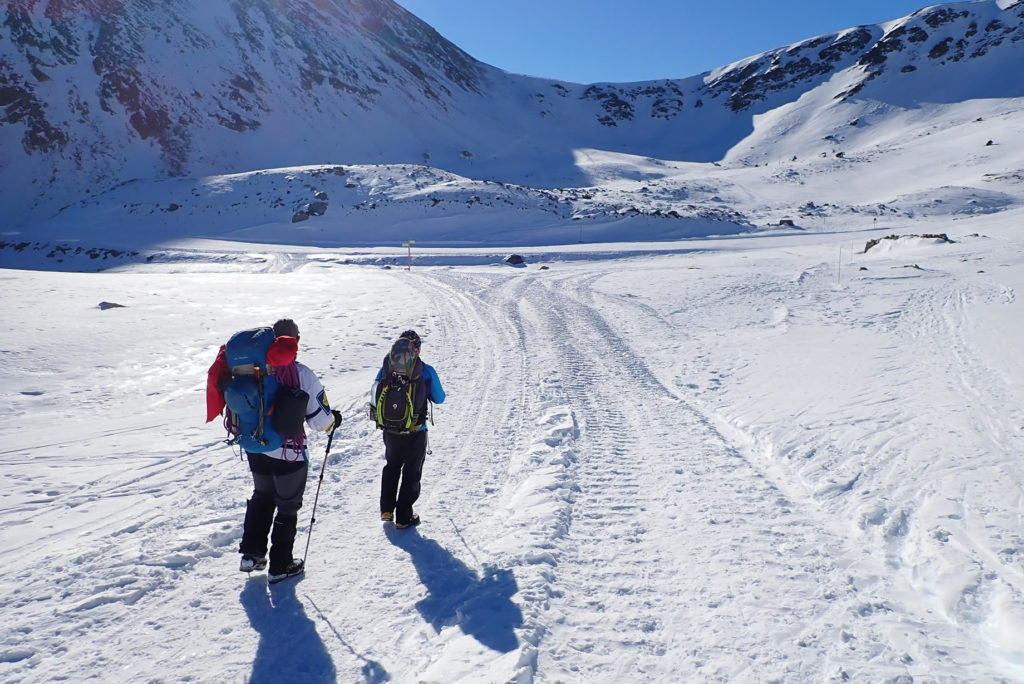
404	354
400	402
412	337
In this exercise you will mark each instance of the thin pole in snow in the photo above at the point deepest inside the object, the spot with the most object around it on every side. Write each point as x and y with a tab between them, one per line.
312	519
409	244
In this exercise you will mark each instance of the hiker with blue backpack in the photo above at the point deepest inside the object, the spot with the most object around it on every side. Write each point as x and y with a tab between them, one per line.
269	398
400	398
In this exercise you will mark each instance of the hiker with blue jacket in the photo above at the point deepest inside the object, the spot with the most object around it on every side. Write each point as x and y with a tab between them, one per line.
400	398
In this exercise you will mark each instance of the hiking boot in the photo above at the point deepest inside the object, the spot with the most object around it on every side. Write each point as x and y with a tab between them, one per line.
413	522
250	563
296	567
387	516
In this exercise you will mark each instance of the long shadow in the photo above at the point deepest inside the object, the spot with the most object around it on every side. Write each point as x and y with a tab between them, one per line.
290	650
481	606
372	671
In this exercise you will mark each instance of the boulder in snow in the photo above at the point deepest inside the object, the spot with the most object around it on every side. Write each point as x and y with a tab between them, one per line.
937	237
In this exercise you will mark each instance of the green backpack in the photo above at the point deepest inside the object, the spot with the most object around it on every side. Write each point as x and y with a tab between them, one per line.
400	404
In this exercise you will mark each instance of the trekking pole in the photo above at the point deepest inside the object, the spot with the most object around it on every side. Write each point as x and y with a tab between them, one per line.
330	438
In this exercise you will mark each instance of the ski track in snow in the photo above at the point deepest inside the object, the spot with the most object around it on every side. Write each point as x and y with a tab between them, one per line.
934	552
612	494
624	476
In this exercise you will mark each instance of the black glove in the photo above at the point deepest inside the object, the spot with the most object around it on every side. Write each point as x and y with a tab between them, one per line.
337	419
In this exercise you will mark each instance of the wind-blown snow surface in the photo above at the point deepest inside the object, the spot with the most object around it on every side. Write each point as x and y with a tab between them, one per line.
772	458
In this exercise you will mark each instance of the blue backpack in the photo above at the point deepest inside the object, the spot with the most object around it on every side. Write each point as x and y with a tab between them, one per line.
250	392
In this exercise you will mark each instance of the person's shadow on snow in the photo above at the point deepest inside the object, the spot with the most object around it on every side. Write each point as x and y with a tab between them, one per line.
290	650
481	606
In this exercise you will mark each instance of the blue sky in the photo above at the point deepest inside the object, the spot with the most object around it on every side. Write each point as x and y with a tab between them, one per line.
586	41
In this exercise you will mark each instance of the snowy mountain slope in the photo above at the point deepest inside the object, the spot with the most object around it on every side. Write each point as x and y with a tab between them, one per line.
98	95
935	161
377	205
744	459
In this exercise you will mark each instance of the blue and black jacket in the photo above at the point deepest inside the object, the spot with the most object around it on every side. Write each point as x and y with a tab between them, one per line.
429	389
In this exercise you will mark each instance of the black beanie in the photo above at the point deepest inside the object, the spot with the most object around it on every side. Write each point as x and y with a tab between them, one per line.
286	326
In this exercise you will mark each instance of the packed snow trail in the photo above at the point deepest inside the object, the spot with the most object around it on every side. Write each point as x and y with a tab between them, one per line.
635	477
580	518
634	509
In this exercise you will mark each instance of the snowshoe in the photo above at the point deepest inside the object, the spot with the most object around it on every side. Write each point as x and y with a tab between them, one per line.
296	567
252	563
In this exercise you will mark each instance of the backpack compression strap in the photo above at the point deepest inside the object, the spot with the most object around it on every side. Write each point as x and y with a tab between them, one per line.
408	412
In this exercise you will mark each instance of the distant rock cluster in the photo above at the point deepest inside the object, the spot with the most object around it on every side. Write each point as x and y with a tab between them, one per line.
60	252
941	237
315	208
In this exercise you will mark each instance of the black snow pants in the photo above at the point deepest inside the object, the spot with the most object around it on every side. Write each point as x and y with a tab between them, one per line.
279	485
404	455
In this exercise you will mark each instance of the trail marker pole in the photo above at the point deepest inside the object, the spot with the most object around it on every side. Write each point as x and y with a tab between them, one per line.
408	244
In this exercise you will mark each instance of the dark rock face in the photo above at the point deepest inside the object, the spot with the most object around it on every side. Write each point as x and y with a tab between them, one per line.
91	83
117	38
807	63
793	70
22	106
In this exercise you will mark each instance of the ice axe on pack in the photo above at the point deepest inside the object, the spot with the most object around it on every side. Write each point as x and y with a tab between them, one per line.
327	452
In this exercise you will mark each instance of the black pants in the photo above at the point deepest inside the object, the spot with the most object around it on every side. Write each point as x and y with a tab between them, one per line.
277	485
404	454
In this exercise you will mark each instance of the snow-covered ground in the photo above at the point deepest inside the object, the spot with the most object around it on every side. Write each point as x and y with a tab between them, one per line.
754	458
703	434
